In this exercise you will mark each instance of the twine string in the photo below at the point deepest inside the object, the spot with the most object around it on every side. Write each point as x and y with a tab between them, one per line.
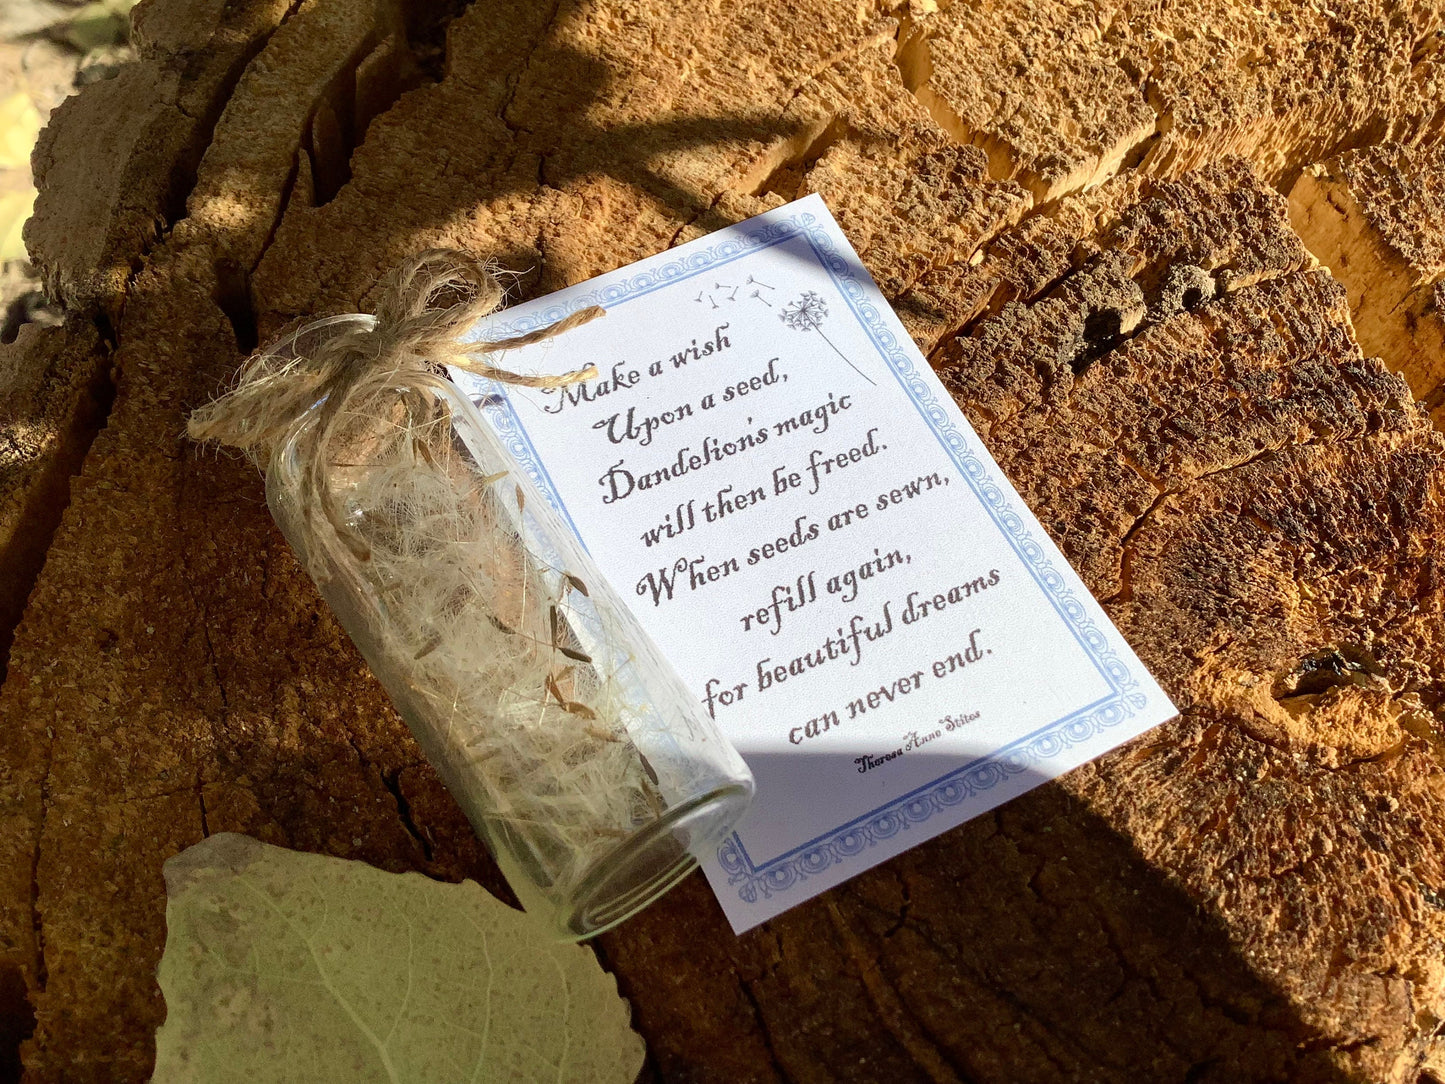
427	304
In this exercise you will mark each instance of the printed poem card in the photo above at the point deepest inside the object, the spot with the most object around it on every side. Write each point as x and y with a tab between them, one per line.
769	472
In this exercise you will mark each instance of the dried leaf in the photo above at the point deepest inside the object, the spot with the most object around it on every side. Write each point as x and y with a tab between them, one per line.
15	208
283	966
21	20
19	128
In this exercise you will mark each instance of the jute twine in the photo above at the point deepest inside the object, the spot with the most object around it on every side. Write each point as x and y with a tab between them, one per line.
427	304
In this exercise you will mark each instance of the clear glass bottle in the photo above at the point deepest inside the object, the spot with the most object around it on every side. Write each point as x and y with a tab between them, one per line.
591	772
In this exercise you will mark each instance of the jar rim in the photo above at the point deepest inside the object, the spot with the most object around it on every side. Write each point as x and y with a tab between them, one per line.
621	884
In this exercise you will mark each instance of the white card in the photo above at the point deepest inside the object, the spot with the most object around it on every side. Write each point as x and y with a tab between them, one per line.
769	472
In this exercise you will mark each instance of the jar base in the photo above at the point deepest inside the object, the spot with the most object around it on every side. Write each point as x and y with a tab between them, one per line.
651	862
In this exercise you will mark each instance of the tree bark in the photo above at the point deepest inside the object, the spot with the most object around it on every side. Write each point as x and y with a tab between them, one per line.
1079	213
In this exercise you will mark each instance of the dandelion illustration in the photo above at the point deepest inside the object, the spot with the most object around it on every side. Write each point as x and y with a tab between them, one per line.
807	314
809	311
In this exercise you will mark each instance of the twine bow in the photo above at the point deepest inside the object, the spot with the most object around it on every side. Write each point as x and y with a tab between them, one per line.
426	305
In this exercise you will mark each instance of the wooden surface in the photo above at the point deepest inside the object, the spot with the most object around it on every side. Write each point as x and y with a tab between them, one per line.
1083	214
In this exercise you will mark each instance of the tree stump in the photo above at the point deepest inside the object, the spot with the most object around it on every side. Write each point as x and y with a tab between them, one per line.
1083	214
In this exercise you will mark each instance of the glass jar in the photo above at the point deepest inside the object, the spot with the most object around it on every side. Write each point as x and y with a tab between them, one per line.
584	763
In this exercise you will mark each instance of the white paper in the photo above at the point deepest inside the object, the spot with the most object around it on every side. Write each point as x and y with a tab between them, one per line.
765	442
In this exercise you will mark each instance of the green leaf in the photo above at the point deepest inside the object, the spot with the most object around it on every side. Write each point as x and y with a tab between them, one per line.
98	24
282	966
19	126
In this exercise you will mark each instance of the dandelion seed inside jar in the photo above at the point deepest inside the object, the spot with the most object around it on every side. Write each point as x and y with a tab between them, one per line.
591	772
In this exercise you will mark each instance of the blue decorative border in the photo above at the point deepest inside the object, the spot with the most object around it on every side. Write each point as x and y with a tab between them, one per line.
975	778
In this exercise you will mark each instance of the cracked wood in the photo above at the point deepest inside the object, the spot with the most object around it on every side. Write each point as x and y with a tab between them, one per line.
1072	208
